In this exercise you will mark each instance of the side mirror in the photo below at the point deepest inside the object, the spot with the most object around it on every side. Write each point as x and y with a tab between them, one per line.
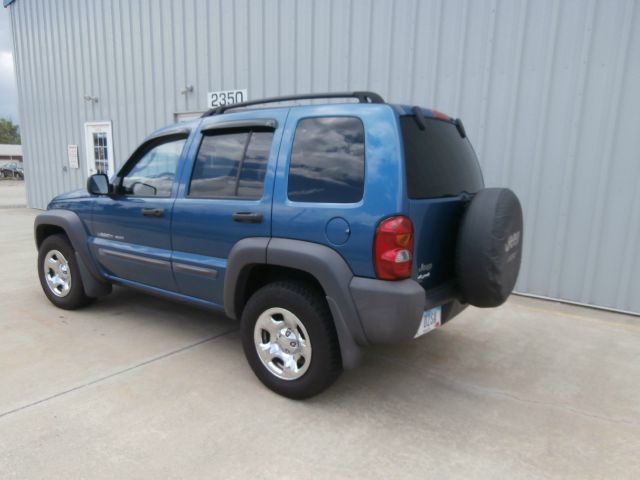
98	184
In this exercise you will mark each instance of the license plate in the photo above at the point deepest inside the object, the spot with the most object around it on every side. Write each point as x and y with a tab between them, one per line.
430	319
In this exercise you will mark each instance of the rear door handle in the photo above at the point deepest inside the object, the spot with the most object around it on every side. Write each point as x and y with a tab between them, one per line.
153	212
247	217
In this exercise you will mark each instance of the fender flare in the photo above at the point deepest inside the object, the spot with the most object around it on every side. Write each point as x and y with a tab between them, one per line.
93	282
323	263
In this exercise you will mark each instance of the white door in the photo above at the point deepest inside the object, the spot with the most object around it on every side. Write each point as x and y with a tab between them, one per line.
99	148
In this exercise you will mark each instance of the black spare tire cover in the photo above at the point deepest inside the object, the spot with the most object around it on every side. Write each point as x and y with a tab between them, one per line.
489	247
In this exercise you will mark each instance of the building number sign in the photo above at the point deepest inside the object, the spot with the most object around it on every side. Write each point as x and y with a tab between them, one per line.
226	97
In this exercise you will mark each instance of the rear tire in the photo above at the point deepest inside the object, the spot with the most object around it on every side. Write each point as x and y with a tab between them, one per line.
59	274
289	339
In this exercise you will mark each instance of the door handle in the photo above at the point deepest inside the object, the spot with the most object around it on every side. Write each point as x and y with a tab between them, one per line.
153	212
247	217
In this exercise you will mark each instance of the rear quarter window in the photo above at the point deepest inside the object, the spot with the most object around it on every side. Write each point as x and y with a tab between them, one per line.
439	161
327	161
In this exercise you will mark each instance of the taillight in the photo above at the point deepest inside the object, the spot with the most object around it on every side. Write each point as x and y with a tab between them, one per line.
393	248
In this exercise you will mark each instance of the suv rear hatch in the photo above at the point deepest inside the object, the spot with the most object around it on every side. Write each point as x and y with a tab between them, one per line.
442	174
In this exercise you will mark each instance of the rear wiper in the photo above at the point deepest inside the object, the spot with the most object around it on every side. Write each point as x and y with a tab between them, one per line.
419	118
460	127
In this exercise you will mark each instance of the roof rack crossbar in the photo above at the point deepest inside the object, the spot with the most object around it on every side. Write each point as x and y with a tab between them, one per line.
363	97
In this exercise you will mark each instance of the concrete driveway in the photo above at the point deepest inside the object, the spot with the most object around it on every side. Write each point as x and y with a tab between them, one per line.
138	387
12	193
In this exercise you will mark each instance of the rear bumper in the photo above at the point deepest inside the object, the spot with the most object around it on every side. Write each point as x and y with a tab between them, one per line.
391	311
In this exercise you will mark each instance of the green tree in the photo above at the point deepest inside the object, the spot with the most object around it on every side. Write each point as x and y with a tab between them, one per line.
9	133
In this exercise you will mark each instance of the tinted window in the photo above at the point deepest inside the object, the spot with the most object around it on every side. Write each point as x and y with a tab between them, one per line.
153	174
439	162
231	165
327	161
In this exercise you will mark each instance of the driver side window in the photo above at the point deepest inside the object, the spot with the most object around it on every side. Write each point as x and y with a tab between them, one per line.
153	173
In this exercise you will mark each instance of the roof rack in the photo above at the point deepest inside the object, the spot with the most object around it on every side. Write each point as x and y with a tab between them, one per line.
363	97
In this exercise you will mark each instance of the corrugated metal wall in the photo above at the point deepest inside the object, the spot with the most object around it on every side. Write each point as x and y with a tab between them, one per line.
548	90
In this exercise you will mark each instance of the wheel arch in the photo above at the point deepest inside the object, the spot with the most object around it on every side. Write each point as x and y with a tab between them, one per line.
46	230
66	222
253	262
256	276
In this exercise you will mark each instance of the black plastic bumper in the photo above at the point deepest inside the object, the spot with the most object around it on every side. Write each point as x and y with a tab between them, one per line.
391	311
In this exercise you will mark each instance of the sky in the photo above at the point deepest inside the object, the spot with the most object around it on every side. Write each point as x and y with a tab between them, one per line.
8	92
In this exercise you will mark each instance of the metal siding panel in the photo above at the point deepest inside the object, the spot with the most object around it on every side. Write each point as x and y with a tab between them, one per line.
190	54
501	88
427	53
286	41
339	50
513	84
446	70
609	175
380	46
113	74
240	43
401	49
227	45
486	75
218	50
25	77
547	90
135	76
255	85
202	79
475	86
149	92
161	114
39	90
67	124
72	93
624	198
322	46
166	46
121	55
18	31
360	28
96	55
303	45
553	129
56	154
536	90
573	216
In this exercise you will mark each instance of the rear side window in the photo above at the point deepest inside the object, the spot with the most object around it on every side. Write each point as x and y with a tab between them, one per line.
327	161
231	164
439	162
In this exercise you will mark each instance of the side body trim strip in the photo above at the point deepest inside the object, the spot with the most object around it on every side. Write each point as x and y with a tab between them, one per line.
207	272
130	256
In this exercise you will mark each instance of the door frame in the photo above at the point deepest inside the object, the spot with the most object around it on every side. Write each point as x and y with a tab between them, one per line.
88	146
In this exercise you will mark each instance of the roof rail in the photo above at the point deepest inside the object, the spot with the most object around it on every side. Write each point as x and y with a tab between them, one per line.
363	97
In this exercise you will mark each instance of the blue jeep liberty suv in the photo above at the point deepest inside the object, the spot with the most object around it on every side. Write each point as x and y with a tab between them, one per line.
322	227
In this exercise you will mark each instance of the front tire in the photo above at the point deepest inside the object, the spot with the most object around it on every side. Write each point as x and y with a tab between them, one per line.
290	341
59	274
